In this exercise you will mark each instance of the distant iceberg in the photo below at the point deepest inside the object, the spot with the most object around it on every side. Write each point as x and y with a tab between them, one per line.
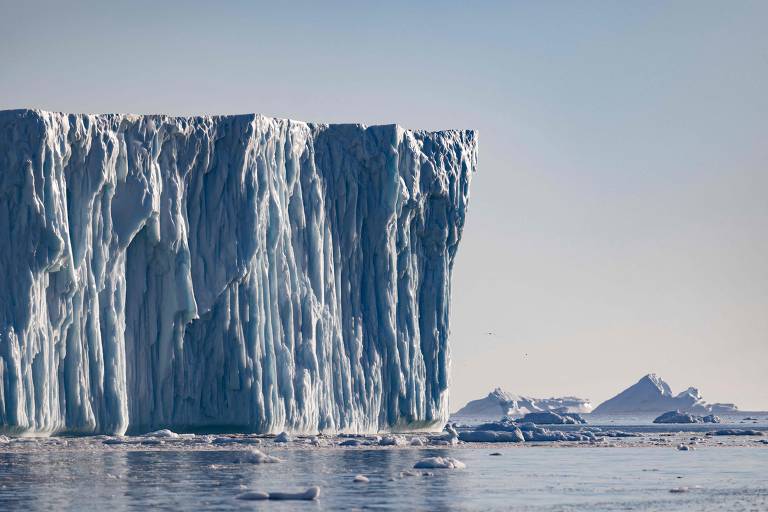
678	416
652	395
500	403
231	272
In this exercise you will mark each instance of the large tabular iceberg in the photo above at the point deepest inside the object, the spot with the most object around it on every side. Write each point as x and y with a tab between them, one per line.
501	403
228	272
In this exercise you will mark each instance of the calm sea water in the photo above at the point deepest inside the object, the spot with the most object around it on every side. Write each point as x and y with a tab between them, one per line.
522	478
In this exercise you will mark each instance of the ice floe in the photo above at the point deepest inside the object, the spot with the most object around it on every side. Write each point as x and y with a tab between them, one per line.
439	463
310	494
679	416
255	456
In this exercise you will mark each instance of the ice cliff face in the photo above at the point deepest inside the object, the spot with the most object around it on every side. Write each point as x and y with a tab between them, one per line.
236	272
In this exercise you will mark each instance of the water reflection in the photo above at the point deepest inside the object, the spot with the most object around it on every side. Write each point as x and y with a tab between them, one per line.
569	478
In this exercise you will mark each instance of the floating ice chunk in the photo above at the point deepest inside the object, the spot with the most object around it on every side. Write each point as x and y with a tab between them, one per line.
678	490
735	432
678	417
282	437
685	447
552	418
351	442
392	441
223	440
439	463
120	440
253	496
163	433
620	433
417	441
441	441
361	479
489	436
310	494
505	425
254	456
450	438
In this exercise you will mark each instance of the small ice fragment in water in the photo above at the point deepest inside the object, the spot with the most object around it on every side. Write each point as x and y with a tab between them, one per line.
317	441
495	454
677	490
735	432
254	456
282	437
310	494
361	479
253	496
115	440
417	441
684	447
165	433
487	436
392	441
439	463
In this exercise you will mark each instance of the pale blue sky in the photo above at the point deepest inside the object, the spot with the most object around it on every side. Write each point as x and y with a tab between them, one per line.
618	223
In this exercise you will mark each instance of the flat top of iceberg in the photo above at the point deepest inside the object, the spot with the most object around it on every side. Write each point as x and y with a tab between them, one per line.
202	117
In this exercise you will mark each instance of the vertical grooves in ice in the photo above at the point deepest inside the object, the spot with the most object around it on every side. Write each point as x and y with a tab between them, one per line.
236	272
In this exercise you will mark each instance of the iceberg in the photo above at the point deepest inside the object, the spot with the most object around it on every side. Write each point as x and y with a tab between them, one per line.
238	273
501	403
651	394
678	416
552	418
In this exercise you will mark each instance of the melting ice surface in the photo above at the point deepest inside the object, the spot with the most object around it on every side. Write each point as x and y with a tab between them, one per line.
233	272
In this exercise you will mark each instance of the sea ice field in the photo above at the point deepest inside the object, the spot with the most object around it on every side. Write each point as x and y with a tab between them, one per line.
168	471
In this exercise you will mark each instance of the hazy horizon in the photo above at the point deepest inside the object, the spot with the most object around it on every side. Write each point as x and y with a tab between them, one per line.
618	223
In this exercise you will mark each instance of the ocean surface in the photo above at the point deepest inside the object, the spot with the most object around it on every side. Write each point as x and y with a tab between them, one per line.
643	473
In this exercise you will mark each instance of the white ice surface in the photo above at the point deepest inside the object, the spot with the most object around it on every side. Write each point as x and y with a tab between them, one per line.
651	394
439	463
500	403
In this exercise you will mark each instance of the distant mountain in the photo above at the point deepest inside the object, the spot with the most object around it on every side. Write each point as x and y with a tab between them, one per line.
652	395
500	403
